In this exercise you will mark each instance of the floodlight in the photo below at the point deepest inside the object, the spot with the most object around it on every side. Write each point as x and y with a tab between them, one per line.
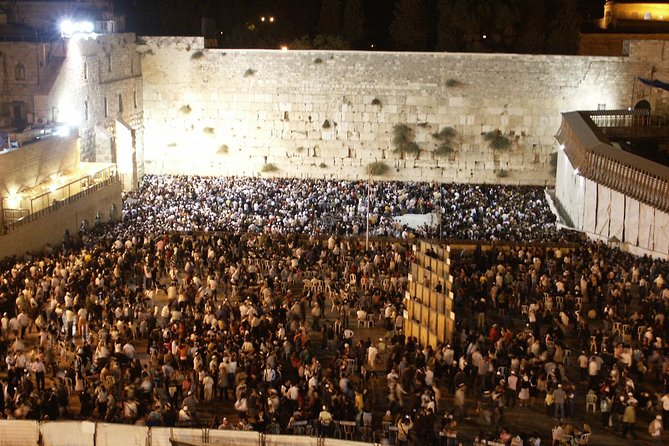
67	27
561	146
86	27
577	172
63	131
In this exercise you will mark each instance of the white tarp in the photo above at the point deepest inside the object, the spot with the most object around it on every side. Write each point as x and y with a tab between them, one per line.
661	232
121	435
68	433
617	215
646	226
603	211
19	432
290	440
236	438
579	200
590	205
631	221
160	436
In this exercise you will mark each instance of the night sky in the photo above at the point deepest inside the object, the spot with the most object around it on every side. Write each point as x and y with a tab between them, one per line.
236	23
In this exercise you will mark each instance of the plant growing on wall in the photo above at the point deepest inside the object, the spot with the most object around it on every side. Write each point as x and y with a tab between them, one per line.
553	162
452	83
249	72
446	138
376	101
208	130
497	141
197	55
269	167
378	168
318	61
502	173
403	140
185	109
322	165
223	149
326	124
299	149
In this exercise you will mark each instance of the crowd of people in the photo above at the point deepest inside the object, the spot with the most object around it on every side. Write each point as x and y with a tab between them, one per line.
159	318
289	205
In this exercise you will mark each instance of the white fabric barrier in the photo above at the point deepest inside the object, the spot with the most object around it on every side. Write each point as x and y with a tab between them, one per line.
235	438
661	232
617	215
603	211
160	436
68	433
646	226
590	205
631	221
19	432
121	435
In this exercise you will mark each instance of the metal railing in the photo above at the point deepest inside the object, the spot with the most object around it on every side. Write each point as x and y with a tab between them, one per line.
48	202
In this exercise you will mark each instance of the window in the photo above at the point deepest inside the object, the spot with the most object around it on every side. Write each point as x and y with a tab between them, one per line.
120	103
134	98
20	72
601	106
109	61
86	110
105	106
132	65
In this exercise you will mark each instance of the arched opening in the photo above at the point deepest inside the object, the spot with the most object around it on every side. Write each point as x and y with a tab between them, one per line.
643	105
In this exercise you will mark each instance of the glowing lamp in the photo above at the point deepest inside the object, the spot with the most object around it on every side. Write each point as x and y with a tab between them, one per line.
561	146
577	172
14	201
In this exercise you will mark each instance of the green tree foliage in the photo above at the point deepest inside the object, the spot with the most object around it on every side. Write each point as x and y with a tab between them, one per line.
330	20
409	29
353	28
515	26
320	42
403	140
446	138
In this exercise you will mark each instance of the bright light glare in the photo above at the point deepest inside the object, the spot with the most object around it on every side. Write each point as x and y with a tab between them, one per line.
69	28
14	201
561	146
577	172
284	48
63	131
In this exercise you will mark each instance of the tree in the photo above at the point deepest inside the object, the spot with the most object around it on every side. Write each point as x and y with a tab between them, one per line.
329	22
515	26
409	29
353	28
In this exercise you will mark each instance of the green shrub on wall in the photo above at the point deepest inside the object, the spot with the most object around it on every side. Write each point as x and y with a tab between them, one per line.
223	149
553	162
209	130
269	167
378	168
452	83
197	55
322	165
403	140
185	109
249	72
502	173
376	101
445	136
326	124
497	141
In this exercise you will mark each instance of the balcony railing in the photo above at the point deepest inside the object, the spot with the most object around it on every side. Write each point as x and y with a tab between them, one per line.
591	152
49	201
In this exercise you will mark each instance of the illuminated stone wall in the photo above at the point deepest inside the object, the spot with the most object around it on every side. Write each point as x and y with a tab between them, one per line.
86	93
329	114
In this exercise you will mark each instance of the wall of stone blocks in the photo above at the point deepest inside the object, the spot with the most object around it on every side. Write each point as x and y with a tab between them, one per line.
36	163
98	71
231	112
50	228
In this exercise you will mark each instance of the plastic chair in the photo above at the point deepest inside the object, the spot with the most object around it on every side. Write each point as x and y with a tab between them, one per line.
567	357
627	333
567	440
617	328
591	401
584	439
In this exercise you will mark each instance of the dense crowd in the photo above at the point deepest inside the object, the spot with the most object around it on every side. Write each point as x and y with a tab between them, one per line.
151	321
468	211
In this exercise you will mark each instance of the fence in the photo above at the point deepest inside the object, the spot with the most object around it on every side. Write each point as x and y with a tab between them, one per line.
47	202
86	433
